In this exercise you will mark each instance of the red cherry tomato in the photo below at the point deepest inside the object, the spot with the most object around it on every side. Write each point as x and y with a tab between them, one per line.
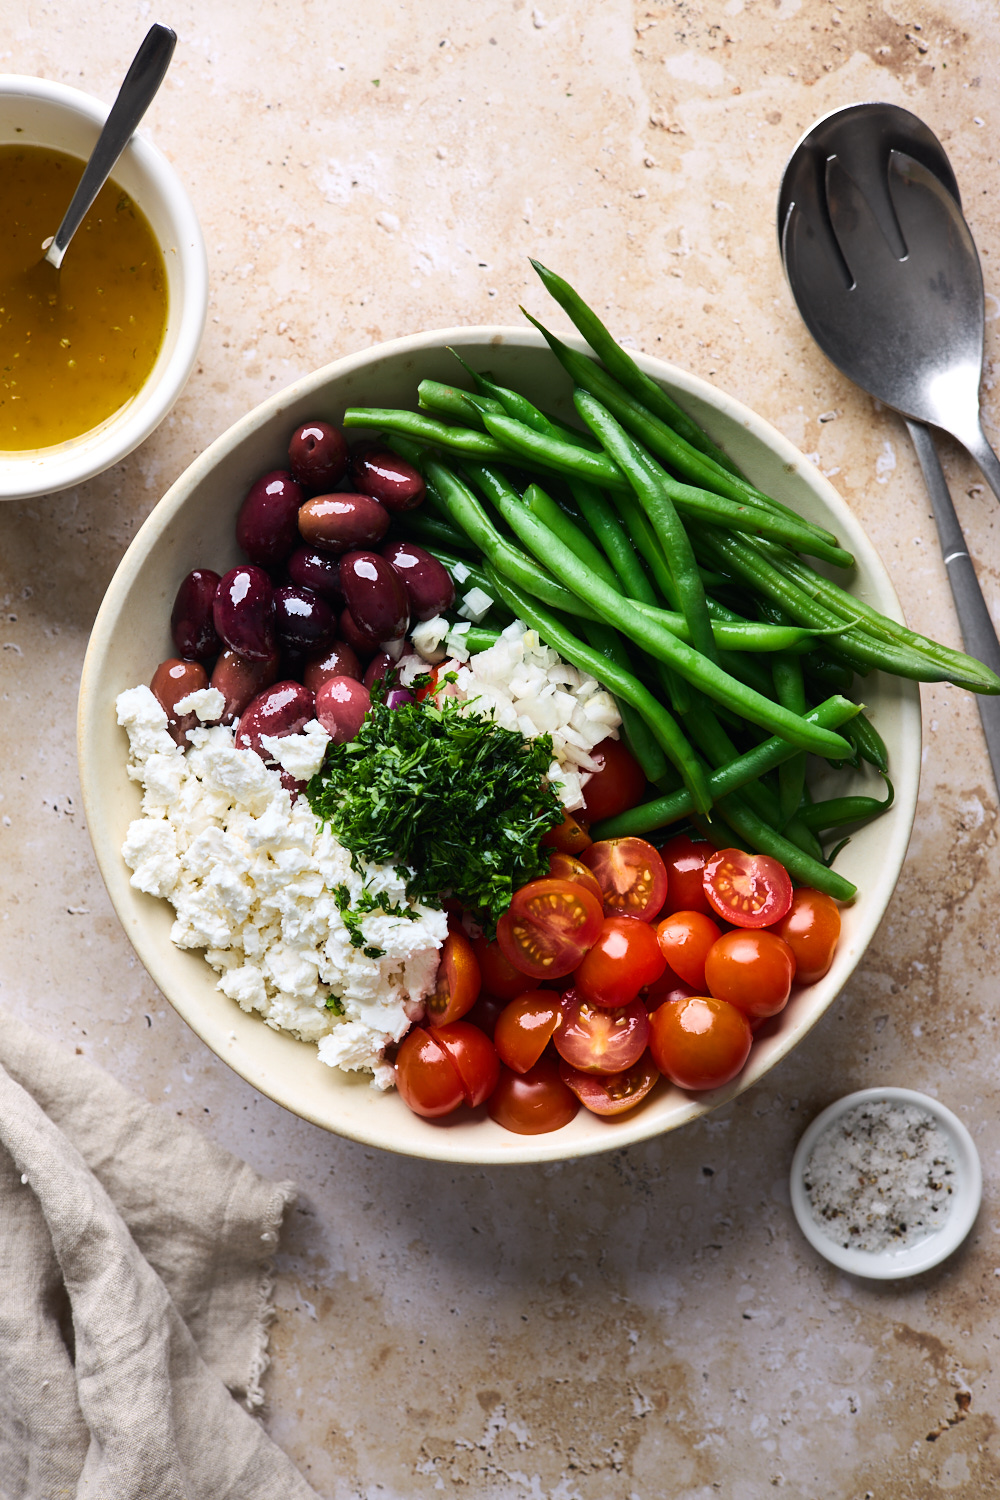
426	1076
597	1039
474	1057
569	836
612	1093
669	986
499	977
631	876
618	785
549	927
564	866
752	970
458	981
749	890
684	860
485	1013
532	1103
524	1028
812	930
684	939
624	958
700	1042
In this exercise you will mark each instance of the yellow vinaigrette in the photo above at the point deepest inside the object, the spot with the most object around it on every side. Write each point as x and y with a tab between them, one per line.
78	343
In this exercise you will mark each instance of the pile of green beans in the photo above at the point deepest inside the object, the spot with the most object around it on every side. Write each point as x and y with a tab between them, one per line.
639	552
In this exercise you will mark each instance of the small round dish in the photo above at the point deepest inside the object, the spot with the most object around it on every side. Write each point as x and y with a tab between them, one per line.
893	1264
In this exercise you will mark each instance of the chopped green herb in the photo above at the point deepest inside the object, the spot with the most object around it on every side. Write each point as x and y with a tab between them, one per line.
334	1003
353	915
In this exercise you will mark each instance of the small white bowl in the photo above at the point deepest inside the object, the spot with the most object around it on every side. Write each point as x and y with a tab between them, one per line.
893	1264
36	112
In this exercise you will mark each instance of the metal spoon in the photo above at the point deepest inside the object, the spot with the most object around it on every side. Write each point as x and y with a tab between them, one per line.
886	276
142	80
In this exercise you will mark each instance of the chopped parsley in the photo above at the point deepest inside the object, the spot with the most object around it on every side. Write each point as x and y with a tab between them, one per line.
334	1003
457	803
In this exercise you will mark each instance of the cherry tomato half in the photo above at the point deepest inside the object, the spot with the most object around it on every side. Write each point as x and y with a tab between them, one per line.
599	1039
486	1012
458	981
684	939
749	890
426	1076
499	977
612	1093
812	930
569	836
564	866
699	1043
474	1057
532	1103
684	860
524	1028
549	927
618	785
752	970
631	876
624	958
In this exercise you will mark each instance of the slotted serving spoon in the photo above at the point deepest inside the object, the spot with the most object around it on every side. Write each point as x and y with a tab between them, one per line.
885	273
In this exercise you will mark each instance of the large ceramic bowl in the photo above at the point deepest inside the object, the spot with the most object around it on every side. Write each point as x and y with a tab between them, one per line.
36	112
193	526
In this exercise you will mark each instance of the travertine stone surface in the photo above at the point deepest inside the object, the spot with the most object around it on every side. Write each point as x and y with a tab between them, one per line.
649	1323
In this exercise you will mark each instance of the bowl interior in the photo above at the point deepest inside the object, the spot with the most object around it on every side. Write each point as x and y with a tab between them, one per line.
193	527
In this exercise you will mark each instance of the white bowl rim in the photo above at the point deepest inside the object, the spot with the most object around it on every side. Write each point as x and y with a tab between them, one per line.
625	1129
893	1265
43	471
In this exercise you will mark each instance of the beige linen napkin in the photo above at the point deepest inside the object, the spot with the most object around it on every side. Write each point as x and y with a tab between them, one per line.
134	1295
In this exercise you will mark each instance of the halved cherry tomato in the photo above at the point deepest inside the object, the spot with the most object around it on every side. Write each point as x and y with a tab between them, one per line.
684	939
525	1026
532	1103
549	927
458	981
684	860
612	1093
749	890
426	1076
618	785
631	876
624	958
569	836
752	970
597	1039
486	1012
499	977
699	1043
564	866
812	930
474	1057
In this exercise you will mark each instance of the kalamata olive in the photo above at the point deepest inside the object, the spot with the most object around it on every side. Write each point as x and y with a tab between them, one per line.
319	571
239	680
267	526
282	709
244	612
317	456
191	622
340	523
173	680
360	642
338	660
375	595
427	582
341	705
302	622
381	666
387	478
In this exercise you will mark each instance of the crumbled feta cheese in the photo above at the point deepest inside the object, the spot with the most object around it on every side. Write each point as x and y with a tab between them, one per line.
208	703
301	755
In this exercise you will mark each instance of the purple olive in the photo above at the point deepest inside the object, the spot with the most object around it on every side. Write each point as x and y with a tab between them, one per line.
341	705
319	571
317	456
244	612
361	643
302	622
338	660
375	595
191	623
267	526
282	709
387	478
341	523
239	680
427	582
380	666
173	680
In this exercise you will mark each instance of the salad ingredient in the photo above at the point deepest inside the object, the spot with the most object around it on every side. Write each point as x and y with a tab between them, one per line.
699	1042
525	1027
317	456
568	837
342	523
485	1013
341	706
243	612
338	660
388	478
752	970
375	595
499	976
458	981
568	867
239	680
302	620
599	1039
618	783
267	525
532	1103
427	582
282	709
320	571
191	624
684	861
474	1058
812	930
623	959
685	938
426	1075
611	1093
631	875
749	890
548	928
172	681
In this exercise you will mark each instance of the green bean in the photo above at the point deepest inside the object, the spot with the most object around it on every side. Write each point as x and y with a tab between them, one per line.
414	424
473	576
641	740
614	539
450	400
545	508
789	689
741	635
832	714
639	527
522	410
825	674
869	744
430	532
838	811
552	453
762	838
478	638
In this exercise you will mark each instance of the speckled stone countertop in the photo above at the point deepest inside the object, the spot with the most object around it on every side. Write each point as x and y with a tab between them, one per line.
648	1323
